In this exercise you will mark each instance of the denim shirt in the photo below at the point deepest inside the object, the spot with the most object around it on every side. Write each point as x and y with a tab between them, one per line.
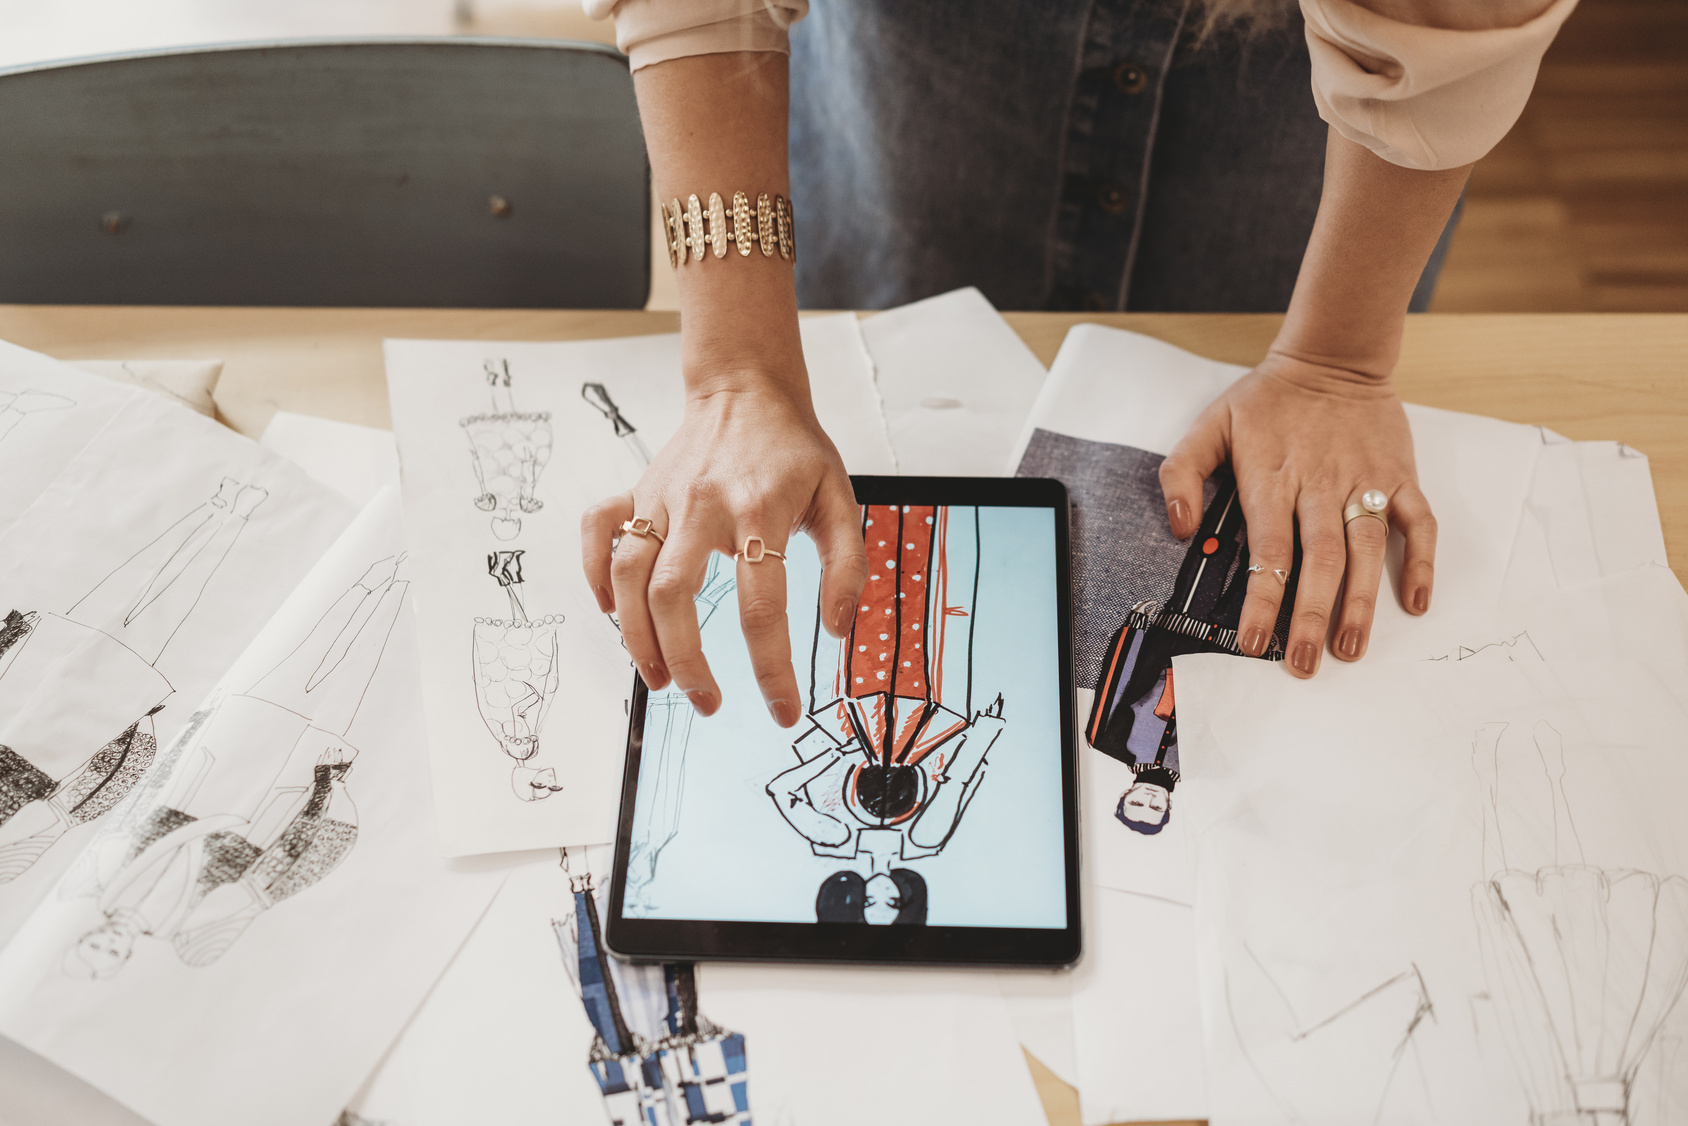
1058	154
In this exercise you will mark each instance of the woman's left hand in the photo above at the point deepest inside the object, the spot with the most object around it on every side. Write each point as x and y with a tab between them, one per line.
1305	441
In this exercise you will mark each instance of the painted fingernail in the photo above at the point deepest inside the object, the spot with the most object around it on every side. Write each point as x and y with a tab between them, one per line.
1255	643
1421	600
1305	658
1349	643
842	613
702	700
1179	517
784	712
605	602
651	673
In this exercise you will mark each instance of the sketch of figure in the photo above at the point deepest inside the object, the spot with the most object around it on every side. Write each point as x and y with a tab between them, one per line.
894	751
250	806
668	733
15	406
598	395
657	1060
78	691
1583	963
516	676
509	450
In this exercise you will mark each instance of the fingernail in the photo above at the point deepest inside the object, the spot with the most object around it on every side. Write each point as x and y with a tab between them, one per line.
784	712
1306	656
1421	600
842	613
703	701
651	673
1255	643
1349	643
1178	516
605	602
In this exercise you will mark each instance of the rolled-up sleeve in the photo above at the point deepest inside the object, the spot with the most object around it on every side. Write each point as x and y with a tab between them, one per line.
1421	96
654	31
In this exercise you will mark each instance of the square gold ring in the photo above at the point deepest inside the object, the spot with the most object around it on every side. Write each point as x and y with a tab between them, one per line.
754	551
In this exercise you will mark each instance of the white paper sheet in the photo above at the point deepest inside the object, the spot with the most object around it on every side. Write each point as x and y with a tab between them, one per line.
957	382
138	575
37	1092
1040	1007
251	928
190	383
526	682
819	1046
355	461
1450	892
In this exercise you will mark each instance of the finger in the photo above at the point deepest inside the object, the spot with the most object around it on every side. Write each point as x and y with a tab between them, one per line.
1191	462
1270	515
676	578
767	632
599	526
1324	556
630	579
837	532
1410	512
1367	540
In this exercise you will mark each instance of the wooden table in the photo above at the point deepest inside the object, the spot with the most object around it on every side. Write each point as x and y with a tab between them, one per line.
1617	376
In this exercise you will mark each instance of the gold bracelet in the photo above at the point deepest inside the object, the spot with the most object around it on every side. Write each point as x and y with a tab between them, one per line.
768	225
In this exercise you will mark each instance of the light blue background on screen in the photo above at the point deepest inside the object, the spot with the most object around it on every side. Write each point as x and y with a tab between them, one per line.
734	858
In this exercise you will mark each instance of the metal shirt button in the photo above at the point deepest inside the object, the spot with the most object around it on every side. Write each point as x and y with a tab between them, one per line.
1111	197
1130	78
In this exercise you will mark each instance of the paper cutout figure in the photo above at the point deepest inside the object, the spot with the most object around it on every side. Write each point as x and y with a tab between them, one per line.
73	685
894	751
249	807
15	406
1583	963
509	449
657	1059
516	677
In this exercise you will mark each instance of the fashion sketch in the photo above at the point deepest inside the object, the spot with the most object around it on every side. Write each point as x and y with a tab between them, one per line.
509	449
598	395
657	1060
15	406
516	676
894	750
250	805
79	690
1583	963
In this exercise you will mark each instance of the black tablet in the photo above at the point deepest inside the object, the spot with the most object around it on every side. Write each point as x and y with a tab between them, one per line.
924	808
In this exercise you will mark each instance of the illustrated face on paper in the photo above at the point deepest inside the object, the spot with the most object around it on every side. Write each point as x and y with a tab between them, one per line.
882	902
102	952
1145	804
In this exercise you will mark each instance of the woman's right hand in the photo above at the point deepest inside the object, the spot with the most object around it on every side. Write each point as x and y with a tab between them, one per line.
749	459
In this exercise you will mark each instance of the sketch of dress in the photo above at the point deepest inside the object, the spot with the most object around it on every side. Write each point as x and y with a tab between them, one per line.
657	1060
78	691
1583	963
249	806
894	751
15	406
516	676
509	450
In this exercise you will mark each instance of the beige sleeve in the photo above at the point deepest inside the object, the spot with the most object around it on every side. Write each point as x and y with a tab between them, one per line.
1418	95
653	31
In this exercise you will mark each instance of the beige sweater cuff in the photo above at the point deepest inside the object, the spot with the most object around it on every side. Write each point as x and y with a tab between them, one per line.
1423	97
654	31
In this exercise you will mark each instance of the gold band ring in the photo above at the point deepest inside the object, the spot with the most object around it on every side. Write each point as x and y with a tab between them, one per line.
1372	503
754	551
641	527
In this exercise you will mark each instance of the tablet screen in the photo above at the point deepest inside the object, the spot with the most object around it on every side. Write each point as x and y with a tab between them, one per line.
923	784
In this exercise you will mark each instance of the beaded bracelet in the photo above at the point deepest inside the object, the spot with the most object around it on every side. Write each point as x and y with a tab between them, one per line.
769	225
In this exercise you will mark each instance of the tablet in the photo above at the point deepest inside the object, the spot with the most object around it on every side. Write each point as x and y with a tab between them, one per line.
924	808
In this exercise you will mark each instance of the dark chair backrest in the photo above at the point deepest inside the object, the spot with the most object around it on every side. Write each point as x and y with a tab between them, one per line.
437	172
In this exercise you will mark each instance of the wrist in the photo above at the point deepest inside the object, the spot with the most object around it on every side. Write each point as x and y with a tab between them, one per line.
1317	371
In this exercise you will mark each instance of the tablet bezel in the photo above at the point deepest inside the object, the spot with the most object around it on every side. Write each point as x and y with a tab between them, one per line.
687	940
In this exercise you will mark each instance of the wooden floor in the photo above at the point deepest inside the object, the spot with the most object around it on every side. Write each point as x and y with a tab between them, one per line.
1584	205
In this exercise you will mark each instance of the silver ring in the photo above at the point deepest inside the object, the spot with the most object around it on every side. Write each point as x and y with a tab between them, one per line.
1256	568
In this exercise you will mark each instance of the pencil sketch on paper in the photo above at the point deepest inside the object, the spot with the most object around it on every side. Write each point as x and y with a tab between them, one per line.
79	690
250	805
658	1061
894	751
509	449
598	395
668	734
15	406
1583	963
516	676
1518	647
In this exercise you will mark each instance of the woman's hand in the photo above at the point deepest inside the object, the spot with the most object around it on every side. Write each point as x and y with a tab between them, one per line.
749	460
1305	441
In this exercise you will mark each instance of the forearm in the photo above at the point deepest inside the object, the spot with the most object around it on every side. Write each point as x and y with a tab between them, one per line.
717	123
1376	227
